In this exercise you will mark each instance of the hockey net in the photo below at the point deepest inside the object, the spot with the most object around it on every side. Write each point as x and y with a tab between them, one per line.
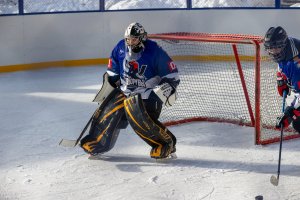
224	78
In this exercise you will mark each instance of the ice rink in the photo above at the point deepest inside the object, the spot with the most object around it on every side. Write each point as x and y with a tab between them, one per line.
216	161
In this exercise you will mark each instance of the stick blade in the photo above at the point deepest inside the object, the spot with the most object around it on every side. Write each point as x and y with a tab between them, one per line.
274	180
68	143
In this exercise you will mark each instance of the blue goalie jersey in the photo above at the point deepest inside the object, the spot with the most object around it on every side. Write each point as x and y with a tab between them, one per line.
141	72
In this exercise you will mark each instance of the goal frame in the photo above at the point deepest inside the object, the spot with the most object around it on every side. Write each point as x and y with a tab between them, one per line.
234	40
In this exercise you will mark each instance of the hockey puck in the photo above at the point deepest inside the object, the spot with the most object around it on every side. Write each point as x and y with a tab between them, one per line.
259	197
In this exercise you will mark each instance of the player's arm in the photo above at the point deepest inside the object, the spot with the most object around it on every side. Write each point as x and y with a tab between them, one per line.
282	83
292	112
113	68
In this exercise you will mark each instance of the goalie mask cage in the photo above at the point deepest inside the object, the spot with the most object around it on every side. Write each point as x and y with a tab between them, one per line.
224	78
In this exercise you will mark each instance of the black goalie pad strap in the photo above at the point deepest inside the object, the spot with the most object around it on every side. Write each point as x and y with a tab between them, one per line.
152	133
104	129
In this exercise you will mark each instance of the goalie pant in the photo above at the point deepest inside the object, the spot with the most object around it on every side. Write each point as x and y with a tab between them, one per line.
115	113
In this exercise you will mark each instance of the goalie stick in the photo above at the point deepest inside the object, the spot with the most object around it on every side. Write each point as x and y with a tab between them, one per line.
104	94
275	180
73	143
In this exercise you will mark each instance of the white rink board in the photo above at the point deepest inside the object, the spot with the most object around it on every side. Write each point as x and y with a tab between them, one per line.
56	37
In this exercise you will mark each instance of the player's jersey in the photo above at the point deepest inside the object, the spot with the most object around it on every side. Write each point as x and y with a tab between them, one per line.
290	66
141	72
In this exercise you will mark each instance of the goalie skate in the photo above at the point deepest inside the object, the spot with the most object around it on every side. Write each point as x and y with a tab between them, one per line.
172	156
98	156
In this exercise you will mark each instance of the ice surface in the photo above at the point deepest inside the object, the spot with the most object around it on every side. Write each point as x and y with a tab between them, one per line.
215	161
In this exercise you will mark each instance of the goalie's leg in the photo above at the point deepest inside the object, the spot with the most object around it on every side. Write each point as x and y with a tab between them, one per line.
106	125
153	108
148	128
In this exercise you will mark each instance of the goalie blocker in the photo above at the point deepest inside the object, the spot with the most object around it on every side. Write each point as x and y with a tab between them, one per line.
142	116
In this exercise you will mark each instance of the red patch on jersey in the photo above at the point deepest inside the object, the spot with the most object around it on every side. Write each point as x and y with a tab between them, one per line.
172	66
134	64
109	66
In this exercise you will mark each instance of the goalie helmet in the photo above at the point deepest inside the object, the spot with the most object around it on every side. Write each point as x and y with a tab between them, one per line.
275	42
135	35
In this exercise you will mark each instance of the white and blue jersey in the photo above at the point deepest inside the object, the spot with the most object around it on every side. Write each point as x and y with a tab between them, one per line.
290	66
141	72
292	71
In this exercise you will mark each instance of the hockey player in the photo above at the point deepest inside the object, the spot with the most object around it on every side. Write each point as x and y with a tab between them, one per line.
140	79
284	50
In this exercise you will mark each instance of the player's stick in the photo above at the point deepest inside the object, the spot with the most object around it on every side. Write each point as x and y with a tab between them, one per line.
73	143
105	94
275	180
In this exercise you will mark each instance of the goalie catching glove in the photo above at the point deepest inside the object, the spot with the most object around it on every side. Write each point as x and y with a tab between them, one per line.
166	93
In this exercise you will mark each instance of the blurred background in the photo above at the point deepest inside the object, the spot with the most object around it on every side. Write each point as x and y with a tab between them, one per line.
37	6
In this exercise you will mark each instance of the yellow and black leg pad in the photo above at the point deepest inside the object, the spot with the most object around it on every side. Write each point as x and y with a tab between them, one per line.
106	124
152	133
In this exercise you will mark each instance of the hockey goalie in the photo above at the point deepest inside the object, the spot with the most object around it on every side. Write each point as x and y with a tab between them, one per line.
140	79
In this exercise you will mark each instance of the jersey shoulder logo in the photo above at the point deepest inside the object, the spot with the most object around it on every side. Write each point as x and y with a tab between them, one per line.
109	66
172	66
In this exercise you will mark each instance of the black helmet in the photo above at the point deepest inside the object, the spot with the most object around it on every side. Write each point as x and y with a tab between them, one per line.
135	30
275	42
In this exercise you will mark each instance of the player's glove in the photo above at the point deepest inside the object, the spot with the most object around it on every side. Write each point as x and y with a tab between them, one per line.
114	81
287	117
282	84
166	93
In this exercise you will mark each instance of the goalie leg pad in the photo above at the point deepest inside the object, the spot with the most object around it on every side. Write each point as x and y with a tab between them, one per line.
105	126
151	132
153	108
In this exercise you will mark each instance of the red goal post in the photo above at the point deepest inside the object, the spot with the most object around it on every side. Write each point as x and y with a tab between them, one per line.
224	78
